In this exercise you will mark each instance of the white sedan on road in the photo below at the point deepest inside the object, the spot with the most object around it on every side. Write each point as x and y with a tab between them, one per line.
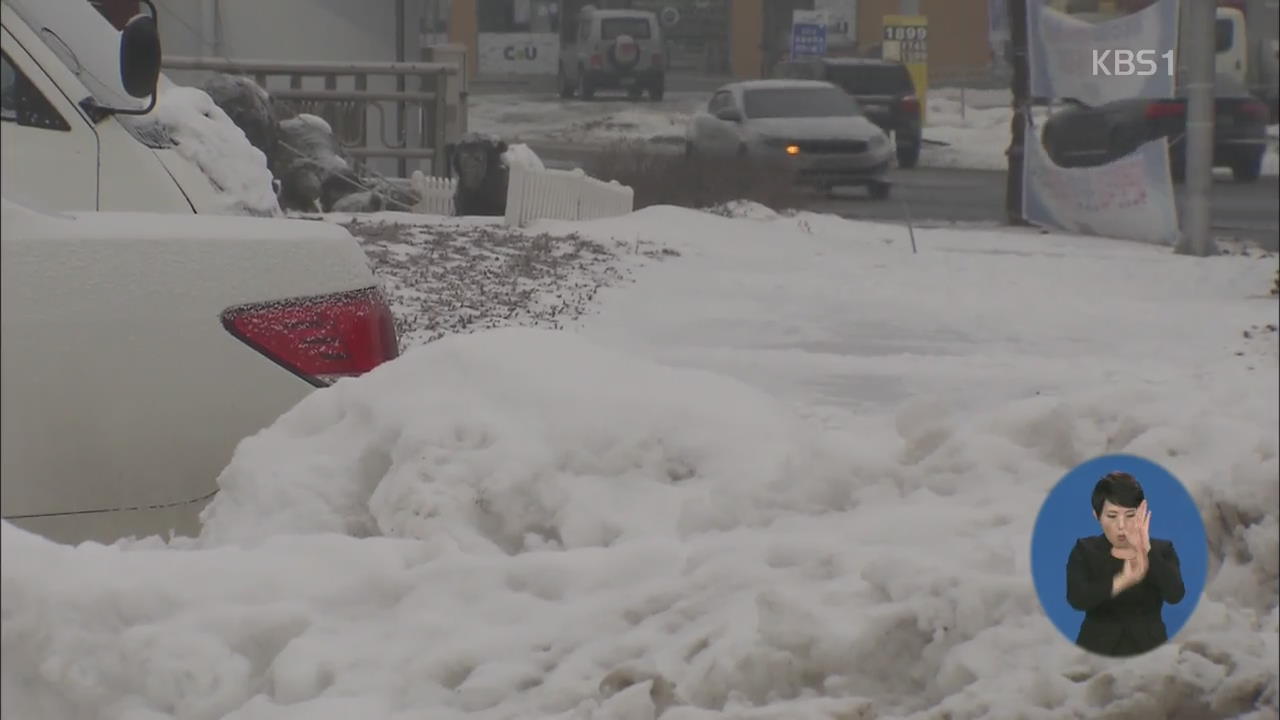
814	128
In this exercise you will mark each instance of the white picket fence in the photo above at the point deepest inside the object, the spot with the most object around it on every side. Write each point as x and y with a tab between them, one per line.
536	194
547	194
436	194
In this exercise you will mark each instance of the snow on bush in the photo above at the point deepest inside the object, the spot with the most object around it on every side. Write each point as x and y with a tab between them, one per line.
207	137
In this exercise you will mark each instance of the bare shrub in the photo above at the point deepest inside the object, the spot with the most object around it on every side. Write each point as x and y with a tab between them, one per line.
666	178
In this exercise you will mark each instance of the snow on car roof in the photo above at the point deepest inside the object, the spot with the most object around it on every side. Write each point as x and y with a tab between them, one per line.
778	83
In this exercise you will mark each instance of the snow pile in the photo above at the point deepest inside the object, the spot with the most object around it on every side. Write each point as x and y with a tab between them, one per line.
523	156
667	455
624	540
745	209
612	524
206	136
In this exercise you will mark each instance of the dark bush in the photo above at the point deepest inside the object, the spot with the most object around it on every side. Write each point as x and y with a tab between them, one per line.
666	178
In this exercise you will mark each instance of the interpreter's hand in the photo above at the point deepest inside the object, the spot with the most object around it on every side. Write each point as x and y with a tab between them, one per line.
1143	545
1135	557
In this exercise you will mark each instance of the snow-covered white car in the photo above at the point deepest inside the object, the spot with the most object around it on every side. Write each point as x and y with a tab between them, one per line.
814	127
76	126
139	349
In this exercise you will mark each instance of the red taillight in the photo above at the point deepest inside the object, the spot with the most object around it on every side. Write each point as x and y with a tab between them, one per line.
910	105
1158	110
597	61
319	338
1255	110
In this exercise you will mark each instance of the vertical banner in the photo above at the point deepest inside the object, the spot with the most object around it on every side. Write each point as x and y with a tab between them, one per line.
906	39
808	33
1131	56
1131	198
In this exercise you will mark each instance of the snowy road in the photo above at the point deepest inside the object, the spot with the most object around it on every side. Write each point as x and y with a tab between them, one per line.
942	196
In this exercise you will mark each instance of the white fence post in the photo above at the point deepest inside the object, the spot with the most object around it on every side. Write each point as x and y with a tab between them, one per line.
535	194
547	194
435	194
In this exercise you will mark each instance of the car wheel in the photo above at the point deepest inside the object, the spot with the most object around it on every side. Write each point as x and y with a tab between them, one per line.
879	190
1247	168
585	91
566	89
909	154
658	89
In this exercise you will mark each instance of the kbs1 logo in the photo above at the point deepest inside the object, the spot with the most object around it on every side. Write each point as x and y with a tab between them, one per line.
1127	63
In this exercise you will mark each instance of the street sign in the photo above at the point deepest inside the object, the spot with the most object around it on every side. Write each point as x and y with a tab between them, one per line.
669	16
808	33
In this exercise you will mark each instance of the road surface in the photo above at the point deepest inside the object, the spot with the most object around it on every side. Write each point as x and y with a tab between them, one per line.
1241	211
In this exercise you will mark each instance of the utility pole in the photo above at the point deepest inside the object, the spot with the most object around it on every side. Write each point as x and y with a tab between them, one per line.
1018	125
1198	60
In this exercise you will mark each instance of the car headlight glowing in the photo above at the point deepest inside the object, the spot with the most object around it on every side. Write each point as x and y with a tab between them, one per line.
793	149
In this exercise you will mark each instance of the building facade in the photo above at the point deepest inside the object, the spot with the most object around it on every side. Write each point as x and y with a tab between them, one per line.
741	38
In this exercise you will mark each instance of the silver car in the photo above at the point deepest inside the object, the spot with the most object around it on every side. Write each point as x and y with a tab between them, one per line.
813	127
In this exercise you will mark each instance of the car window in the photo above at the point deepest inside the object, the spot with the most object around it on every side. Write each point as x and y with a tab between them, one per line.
798	102
613	28
22	103
871	79
8	90
720	101
1224	34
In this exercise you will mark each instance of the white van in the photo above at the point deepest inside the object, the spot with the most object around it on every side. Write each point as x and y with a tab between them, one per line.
1232	57
75	95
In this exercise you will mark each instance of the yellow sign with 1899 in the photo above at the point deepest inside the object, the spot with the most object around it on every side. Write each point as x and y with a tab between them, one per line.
906	39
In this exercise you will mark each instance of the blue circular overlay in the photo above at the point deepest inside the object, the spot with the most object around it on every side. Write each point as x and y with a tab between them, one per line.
1067	515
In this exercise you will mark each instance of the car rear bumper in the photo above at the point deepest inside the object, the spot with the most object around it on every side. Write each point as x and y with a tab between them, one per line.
618	79
1226	149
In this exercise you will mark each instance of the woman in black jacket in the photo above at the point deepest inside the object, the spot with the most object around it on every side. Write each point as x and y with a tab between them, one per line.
1122	578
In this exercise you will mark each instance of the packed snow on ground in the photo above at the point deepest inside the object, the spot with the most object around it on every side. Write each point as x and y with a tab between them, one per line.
790	474
969	132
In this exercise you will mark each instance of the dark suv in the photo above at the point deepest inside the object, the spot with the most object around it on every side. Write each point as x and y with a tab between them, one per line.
882	87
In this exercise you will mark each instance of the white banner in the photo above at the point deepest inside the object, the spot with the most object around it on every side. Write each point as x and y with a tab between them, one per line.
518	53
842	21
1133	56
1130	198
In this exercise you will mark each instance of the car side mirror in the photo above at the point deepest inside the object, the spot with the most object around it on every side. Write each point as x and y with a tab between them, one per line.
140	56
729	115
